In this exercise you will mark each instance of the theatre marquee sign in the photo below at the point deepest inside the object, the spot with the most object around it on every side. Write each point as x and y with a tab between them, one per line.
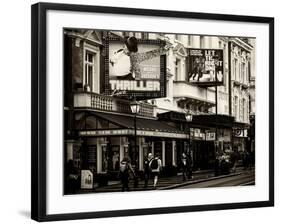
120	132
129	75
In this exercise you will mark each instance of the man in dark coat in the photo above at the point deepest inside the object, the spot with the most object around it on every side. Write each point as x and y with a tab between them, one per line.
147	169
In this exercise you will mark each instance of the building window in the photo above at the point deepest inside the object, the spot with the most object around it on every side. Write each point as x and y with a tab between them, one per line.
226	109
249	70
225	66
177	69
115	159
244	109
236	107
244	78
235	69
89	70
241	77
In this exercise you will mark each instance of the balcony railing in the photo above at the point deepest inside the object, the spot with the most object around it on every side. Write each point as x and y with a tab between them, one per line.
108	103
101	102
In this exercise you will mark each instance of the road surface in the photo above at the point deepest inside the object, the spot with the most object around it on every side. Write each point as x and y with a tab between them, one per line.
246	178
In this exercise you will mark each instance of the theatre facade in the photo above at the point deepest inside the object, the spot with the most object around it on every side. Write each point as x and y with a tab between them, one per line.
173	116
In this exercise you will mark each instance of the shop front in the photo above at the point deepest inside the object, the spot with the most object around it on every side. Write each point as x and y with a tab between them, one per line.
209	134
106	138
240	136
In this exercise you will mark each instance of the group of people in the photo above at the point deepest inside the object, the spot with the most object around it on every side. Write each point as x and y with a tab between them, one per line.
227	161
152	168
223	164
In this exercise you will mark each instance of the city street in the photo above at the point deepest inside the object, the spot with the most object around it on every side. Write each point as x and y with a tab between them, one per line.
201	179
244	179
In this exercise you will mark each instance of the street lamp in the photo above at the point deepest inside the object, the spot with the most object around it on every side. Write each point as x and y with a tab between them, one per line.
135	108
189	118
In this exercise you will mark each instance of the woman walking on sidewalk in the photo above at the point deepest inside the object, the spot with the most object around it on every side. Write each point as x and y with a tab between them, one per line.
155	166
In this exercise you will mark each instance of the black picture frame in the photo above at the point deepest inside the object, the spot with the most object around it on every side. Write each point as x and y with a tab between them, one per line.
39	114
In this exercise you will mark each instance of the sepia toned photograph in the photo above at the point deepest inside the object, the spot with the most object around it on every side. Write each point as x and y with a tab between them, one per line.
150	111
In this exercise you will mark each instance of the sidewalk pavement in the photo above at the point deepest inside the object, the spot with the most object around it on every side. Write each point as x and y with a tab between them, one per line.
163	182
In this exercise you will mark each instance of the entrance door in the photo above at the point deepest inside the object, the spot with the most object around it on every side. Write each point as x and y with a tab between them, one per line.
158	149
168	153
115	157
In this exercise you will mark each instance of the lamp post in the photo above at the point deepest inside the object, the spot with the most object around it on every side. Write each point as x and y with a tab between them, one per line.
135	107
189	118
216	100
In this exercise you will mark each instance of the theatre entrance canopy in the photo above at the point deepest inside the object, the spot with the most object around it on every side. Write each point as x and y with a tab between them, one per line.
101	124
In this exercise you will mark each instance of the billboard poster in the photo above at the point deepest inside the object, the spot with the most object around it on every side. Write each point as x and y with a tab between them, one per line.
138	74
205	66
86	179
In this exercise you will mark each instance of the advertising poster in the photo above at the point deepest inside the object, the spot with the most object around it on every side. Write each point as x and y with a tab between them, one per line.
137	74
205	66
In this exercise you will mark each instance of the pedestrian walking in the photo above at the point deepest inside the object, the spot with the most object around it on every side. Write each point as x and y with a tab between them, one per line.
246	159
225	164
189	165
184	166
124	173
217	164
233	159
155	166
72	178
147	160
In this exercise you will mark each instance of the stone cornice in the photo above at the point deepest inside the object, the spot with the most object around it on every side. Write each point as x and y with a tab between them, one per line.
247	47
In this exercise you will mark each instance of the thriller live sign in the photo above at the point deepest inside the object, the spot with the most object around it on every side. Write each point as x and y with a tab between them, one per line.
142	85
134	73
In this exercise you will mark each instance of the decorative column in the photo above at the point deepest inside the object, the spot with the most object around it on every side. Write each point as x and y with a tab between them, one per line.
163	153
174	156
99	156
141	140
121	148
